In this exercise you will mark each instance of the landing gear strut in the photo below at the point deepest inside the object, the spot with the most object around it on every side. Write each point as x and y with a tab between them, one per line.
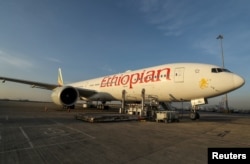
194	114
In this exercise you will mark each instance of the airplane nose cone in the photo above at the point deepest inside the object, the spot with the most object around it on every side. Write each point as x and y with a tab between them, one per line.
238	81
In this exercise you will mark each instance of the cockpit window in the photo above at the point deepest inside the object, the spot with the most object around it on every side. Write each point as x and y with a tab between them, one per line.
218	70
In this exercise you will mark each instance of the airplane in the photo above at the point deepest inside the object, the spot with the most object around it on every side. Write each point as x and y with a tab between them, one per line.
194	82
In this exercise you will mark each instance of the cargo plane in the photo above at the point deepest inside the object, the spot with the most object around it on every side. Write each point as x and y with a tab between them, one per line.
194	82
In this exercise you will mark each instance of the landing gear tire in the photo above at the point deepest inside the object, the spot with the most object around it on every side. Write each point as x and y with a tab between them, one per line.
194	115
197	115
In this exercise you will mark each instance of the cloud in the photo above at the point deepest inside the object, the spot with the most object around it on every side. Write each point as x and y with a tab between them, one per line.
168	16
107	68
183	17
54	60
17	61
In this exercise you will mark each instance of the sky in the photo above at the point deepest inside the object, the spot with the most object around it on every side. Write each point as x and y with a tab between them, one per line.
93	38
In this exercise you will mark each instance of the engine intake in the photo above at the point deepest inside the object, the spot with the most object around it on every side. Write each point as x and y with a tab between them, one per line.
65	95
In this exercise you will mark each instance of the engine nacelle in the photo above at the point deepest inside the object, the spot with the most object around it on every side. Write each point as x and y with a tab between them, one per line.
65	95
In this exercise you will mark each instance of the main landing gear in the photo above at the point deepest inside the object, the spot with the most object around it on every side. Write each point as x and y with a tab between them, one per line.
194	114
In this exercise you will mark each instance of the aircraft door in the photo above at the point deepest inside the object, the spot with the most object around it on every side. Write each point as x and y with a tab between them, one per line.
179	75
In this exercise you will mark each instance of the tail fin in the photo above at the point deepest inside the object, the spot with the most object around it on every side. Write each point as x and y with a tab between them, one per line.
60	78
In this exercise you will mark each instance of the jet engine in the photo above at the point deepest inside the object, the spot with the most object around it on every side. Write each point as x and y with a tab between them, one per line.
66	96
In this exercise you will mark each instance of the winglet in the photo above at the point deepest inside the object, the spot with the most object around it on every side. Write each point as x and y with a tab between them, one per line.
60	78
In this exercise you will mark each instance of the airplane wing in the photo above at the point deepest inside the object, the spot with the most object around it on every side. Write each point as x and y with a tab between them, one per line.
33	84
86	92
82	92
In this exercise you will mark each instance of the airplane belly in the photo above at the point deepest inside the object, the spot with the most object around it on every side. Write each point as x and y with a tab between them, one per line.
134	94
179	92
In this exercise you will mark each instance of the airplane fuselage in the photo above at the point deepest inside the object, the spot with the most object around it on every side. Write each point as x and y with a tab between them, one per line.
170	82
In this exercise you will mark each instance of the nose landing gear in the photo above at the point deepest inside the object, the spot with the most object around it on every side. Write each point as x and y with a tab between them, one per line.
194	114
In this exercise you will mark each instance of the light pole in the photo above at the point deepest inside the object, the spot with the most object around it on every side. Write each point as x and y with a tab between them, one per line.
223	65
222	53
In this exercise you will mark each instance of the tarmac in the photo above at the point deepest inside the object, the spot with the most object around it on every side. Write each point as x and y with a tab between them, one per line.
31	134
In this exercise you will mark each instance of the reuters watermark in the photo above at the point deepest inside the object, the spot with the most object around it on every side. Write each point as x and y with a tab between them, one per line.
229	155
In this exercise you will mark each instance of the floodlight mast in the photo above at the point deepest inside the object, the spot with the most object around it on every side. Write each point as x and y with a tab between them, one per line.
223	65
